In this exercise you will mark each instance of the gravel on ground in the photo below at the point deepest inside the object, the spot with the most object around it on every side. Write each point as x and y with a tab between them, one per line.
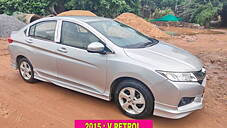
9	24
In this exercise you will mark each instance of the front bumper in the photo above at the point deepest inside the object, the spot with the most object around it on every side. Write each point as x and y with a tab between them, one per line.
175	112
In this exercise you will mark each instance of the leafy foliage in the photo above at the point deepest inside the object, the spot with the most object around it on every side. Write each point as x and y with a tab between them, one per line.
159	13
108	8
198	11
26	6
206	14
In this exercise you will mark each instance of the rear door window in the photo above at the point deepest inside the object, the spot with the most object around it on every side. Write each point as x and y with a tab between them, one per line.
43	30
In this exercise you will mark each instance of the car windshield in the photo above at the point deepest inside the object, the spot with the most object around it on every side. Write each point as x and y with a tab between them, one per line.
123	35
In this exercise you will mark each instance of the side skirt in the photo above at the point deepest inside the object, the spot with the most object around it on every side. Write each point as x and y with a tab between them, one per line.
74	88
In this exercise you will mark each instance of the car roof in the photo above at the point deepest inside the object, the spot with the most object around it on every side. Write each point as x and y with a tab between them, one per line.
86	18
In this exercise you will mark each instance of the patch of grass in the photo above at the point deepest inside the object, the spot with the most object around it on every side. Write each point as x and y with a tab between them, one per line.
171	33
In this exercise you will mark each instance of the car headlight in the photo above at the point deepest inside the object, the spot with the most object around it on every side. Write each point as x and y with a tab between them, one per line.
179	76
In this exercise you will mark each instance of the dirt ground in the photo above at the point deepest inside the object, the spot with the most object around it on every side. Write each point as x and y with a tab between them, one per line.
77	13
142	25
44	105
177	31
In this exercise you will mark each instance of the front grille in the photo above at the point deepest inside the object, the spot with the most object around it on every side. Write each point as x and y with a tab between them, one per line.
200	75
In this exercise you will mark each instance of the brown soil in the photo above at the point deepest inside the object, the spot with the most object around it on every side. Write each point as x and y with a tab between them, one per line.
141	25
44	105
77	13
187	31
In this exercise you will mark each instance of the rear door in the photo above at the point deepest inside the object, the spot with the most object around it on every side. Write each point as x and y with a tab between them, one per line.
76	66
41	37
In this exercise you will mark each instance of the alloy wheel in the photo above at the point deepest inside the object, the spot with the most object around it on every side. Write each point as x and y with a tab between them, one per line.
131	100
25	70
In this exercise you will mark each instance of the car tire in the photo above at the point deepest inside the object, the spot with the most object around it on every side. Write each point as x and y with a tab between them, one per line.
26	70
134	99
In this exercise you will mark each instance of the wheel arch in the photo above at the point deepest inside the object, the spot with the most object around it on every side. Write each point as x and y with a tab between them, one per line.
120	79
18	59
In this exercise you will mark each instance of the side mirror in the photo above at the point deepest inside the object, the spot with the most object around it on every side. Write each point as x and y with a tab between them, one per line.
96	47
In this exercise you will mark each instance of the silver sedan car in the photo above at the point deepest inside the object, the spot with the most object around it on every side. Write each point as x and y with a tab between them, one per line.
112	61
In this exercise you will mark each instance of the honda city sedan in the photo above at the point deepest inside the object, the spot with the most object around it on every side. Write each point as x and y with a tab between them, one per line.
107	59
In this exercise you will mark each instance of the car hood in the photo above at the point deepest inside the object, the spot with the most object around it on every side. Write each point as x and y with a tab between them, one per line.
166	57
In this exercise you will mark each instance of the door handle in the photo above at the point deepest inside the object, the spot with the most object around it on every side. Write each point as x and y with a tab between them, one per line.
64	50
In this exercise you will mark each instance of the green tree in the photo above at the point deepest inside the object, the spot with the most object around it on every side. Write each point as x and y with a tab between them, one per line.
199	11
27	6
196	11
107	8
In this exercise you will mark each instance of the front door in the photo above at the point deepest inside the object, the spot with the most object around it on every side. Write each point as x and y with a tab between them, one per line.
76	66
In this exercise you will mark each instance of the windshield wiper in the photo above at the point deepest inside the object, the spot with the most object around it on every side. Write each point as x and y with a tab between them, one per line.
147	44
143	45
150	43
